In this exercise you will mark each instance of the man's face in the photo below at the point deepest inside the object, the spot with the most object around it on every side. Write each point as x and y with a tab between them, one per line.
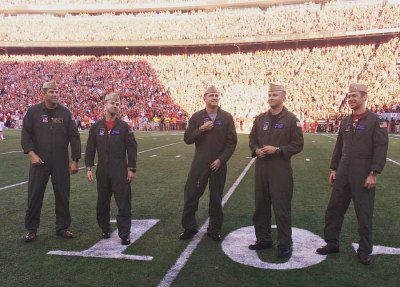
356	100
275	99
211	100
112	107
51	97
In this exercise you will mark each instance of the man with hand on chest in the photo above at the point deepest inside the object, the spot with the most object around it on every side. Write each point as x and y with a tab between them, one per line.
275	137
116	167
213	132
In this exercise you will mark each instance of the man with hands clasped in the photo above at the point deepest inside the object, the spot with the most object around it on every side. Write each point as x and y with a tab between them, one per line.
275	137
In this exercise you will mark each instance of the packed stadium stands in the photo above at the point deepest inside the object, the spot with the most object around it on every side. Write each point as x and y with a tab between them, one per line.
316	76
220	23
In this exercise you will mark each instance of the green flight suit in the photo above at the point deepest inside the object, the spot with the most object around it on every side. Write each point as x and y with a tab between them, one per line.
116	151
360	148
218	143
48	133
273	173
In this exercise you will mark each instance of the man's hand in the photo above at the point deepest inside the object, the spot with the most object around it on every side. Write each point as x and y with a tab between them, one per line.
34	158
260	153
370	181
332	177
73	168
89	175
131	176
269	149
215	165
207	126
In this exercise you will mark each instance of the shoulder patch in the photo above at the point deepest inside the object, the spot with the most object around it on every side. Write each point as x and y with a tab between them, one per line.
298	124
383	124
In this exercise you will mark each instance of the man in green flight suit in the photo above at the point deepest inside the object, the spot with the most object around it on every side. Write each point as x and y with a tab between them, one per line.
212	130
358	157
47	131
116	148
275	137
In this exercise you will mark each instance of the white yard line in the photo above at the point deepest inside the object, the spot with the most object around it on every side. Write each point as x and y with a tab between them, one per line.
13	151
391	160
184	257
21	183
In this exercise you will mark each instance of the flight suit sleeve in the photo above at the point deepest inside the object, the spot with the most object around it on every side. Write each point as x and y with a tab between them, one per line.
296	142
231	141
131	148
192	133
74	139
27	133
90	147
253	138
380	142
337	151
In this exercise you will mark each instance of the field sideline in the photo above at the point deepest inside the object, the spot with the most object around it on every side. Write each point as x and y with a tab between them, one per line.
157	199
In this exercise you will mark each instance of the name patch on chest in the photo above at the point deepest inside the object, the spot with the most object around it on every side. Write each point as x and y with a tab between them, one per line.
361	127
115	132
57	120
279	126
218	123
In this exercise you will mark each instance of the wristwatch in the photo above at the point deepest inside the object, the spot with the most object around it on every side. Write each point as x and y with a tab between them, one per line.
373	172
88	168
278	150
132	169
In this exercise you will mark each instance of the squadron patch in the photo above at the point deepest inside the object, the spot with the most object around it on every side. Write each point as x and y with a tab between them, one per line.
102	131
45	118
266	126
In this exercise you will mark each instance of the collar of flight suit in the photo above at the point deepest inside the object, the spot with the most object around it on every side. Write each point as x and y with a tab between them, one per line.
43	105
103	121
218	111
283	113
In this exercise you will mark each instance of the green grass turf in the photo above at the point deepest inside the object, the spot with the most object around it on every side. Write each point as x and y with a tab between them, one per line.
158	194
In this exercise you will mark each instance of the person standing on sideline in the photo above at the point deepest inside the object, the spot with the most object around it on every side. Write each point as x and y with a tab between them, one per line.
275	137
358	157
212	130
47	131
1	125
116	168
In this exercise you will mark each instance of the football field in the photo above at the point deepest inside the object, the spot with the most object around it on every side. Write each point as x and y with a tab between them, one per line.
156	257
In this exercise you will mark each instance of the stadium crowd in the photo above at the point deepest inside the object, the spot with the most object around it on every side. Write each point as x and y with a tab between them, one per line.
329	17
83	81
169	86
